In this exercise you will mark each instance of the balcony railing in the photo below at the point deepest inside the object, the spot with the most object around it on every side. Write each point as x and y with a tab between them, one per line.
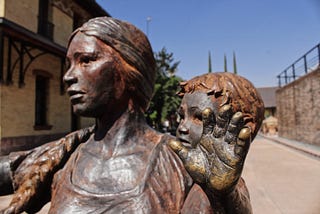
308	62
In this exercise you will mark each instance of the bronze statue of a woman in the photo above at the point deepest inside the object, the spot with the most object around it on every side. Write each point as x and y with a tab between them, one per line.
121	165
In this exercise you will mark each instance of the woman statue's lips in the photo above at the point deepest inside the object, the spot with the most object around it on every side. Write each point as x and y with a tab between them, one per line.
75	95
72	92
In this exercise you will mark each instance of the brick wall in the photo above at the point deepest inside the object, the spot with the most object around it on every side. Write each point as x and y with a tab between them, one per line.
62	26
2	9
12	144
23	12
298	109
17	105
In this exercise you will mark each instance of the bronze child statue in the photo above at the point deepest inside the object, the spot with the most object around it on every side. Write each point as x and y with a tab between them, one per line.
221	114
121	165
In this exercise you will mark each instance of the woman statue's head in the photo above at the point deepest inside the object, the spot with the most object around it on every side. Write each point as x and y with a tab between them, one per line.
119	54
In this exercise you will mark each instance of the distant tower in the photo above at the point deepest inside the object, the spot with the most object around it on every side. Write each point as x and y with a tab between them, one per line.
234	63
209	63
148	22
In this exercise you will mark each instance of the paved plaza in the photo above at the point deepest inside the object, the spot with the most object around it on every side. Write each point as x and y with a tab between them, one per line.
281	180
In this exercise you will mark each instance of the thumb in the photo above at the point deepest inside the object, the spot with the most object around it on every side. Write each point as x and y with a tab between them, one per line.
179	149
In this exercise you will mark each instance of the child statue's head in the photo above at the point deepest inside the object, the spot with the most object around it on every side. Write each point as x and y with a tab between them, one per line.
215	90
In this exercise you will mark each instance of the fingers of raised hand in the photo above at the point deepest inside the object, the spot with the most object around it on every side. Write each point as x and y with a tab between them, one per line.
208	121
243	142
234	127
222	120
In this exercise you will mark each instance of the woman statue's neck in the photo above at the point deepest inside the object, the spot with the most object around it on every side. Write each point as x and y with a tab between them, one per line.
111	124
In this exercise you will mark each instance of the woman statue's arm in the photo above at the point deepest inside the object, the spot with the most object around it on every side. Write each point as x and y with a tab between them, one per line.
31	175
8	164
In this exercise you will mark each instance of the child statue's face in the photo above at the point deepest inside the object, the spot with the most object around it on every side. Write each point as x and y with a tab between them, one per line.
190	126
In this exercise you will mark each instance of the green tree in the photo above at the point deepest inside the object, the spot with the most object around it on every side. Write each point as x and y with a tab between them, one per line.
165	101
165	63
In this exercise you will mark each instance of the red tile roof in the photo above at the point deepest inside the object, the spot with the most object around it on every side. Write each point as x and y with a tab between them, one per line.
268	95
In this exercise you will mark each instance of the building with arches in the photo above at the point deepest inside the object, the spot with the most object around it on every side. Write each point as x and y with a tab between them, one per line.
34	108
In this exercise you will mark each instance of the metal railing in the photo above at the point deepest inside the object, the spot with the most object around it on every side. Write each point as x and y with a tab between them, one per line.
308	62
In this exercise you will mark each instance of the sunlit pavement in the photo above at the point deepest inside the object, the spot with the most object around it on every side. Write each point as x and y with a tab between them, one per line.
280	179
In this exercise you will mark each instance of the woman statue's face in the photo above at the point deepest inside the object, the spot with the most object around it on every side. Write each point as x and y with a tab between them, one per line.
93	78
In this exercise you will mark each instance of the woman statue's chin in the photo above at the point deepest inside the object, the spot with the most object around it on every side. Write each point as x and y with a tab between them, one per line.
84	112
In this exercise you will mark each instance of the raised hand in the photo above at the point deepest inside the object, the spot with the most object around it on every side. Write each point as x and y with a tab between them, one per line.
216	160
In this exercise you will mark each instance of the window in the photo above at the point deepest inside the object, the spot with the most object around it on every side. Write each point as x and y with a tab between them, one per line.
41	102
45	27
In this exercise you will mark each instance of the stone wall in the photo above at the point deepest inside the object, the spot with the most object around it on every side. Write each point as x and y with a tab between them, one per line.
2	9
298	109
63	26
23	12
12	144
17	108
17	105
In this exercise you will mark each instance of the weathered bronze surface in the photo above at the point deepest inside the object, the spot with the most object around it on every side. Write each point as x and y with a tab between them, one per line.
220	114
121	165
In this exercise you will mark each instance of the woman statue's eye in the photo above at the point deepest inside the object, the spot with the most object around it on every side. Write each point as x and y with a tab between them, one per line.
87	59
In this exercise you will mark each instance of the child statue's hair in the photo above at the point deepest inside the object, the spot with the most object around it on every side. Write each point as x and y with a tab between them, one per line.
232	89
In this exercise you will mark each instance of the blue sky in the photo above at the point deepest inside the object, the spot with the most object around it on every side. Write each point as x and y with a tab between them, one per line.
266	35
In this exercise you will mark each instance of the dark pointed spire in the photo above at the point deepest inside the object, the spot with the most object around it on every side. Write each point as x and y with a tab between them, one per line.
225	63
234	63
209	63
